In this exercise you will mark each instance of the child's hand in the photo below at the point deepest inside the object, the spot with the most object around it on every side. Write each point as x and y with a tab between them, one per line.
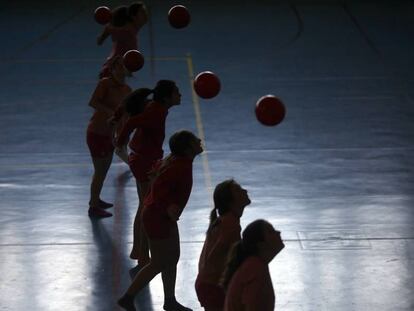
101	38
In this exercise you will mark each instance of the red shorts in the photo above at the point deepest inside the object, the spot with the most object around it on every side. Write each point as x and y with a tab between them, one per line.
140	166
157	225
100	146
209	295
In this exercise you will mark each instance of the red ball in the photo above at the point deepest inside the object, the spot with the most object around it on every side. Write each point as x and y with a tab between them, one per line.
103	15
270	110
206	84
133	60
178	16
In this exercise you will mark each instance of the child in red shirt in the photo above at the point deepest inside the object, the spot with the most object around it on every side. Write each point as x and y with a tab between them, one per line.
169	193
247	278
147	119
230	199
123	29
106	99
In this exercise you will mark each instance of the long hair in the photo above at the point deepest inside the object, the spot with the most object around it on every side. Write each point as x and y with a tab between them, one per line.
248	246
136	101
222	197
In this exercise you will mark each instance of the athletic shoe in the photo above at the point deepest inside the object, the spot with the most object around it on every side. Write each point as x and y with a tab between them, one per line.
173	305
98	212
127	302
103	204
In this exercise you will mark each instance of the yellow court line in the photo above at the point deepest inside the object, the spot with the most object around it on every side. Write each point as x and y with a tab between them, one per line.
200	129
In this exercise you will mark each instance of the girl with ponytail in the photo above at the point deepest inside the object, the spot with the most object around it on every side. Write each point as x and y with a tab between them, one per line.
246	278
230	199
147	119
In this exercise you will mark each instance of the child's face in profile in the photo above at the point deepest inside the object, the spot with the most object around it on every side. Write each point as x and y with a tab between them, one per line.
273	242
196	146
240	197
175	97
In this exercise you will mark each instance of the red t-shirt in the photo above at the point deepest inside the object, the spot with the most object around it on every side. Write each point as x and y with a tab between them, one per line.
250	285
171	186
150	131
216	248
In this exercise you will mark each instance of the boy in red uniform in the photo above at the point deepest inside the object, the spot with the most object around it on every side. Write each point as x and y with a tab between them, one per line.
170	190
230	199
147	118
247	278
106	99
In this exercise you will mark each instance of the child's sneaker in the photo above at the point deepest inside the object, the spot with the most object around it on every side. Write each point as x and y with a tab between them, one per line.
127	302
103	204
98	212
173	305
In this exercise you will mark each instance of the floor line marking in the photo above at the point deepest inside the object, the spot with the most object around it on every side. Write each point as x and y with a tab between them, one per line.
200	129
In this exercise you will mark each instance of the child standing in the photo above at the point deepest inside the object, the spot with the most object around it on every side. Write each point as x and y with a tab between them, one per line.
147	119
170	191
230	199
123	29
105	100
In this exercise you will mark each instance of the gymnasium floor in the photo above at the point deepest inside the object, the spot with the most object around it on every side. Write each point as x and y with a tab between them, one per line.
336	177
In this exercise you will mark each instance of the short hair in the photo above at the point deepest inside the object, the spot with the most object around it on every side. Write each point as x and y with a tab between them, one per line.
180	142
163	89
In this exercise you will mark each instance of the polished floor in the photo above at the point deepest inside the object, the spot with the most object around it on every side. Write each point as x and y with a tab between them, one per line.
336	177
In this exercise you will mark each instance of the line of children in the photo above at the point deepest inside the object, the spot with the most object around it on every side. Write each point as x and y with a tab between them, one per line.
241	283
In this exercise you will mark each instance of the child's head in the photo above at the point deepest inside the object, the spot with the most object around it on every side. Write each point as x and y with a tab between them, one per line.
138	13
120	16
223	196
228	196
259	238
167	92
185	143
